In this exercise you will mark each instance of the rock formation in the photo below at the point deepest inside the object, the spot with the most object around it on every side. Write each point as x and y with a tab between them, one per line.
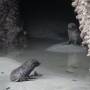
82	9
9	18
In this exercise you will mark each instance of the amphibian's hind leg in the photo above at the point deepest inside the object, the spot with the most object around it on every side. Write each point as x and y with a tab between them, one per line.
26	78
34	76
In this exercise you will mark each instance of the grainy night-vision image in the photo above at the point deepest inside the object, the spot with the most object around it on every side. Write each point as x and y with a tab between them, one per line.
44	45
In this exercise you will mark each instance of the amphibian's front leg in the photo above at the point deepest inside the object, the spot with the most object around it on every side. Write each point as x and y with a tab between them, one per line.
35	75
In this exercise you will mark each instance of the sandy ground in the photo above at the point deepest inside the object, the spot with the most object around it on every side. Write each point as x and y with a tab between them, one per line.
53	68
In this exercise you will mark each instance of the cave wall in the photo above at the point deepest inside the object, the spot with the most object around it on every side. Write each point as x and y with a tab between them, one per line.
9	22
48	19
40	19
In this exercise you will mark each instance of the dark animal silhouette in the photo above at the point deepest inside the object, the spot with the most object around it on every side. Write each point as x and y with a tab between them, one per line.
73	34
22	73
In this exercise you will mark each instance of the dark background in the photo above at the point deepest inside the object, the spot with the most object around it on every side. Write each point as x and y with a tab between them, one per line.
47	19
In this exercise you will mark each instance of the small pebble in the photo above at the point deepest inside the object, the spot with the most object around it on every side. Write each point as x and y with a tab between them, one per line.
7	88
74	80
2	72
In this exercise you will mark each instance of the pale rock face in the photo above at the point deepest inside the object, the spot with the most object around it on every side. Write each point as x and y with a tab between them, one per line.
82	9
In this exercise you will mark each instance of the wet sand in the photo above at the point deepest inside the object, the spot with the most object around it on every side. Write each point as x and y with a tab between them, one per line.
53	68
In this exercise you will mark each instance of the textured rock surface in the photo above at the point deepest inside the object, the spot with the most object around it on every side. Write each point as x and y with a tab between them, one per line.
82	8
9	18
